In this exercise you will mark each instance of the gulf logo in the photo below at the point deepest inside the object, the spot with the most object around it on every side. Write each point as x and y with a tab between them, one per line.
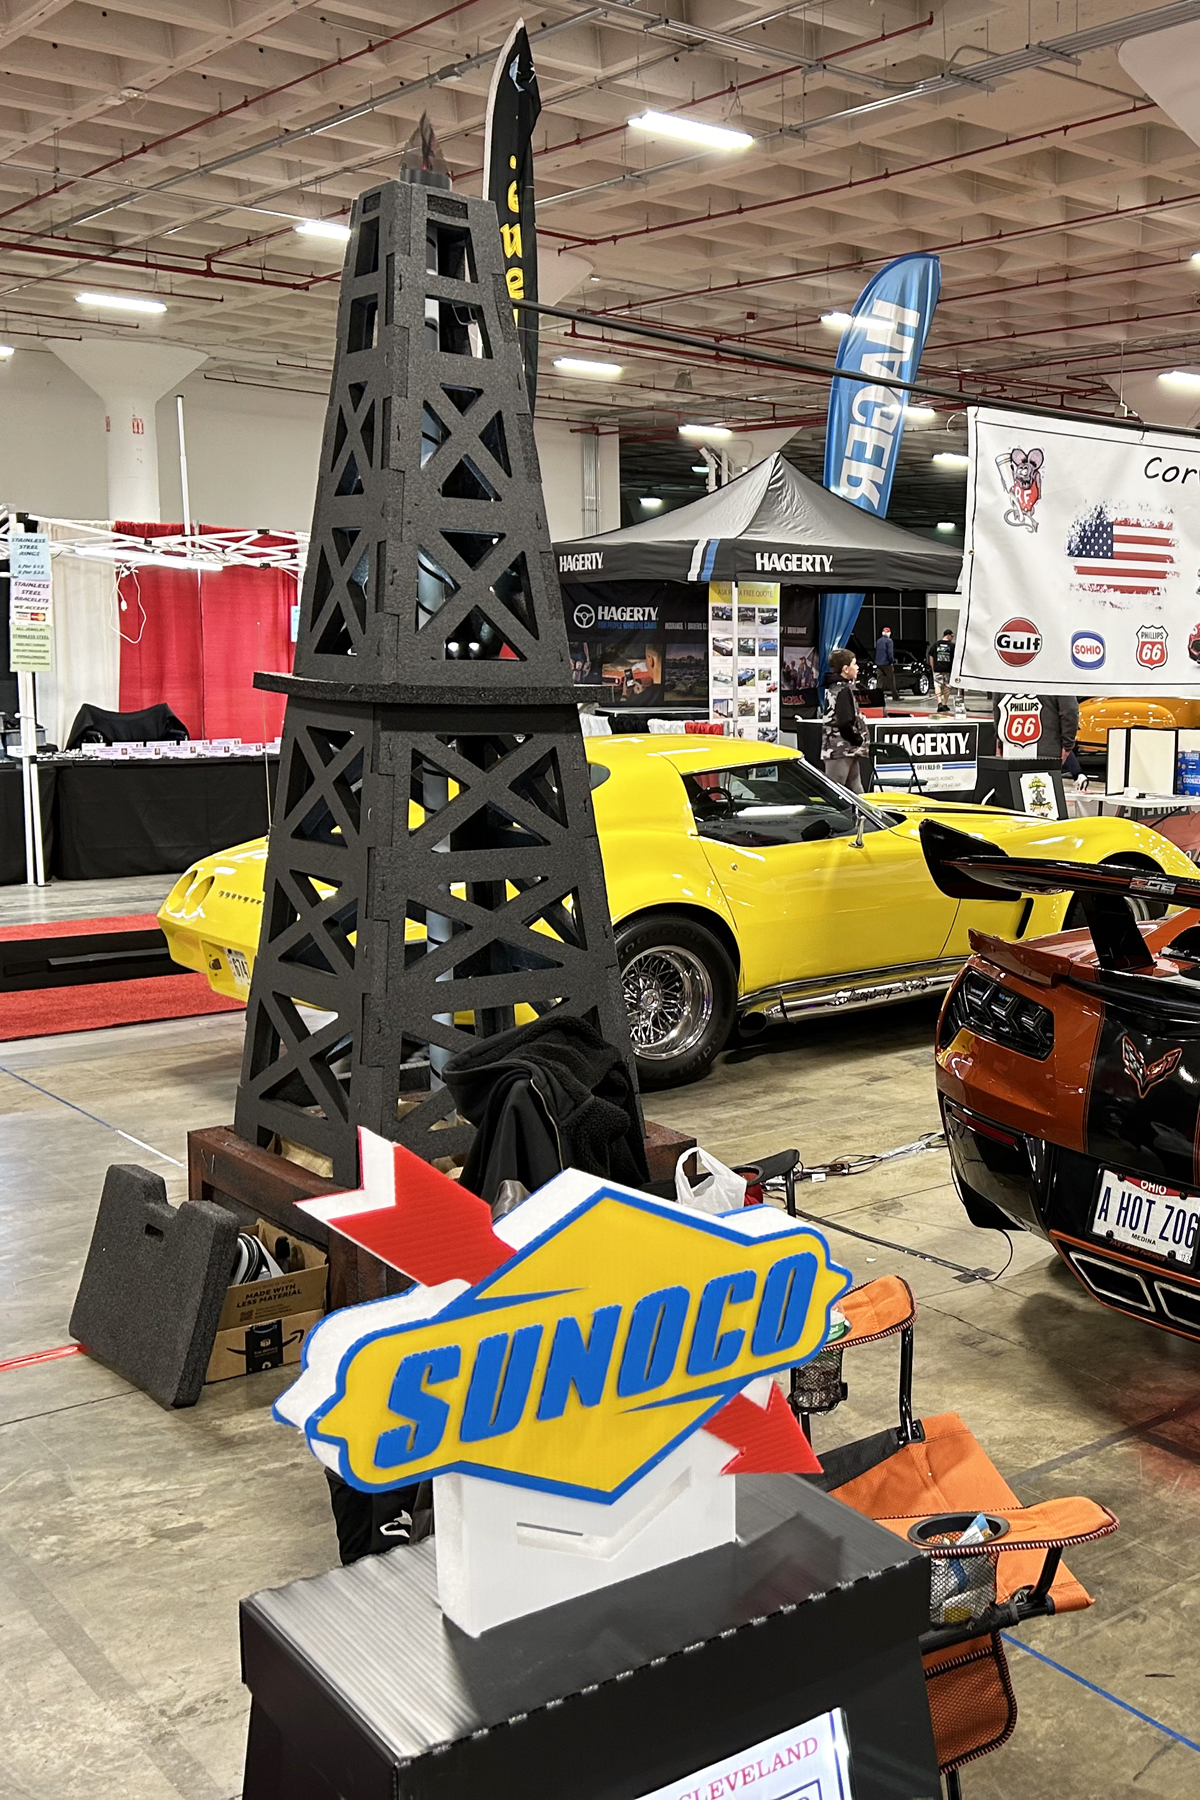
1087	650
1018	642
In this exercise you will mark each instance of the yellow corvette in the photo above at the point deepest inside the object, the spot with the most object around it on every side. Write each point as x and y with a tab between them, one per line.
744	886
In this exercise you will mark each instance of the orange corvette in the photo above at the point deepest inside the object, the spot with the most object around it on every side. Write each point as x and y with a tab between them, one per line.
1098	717
1068	1073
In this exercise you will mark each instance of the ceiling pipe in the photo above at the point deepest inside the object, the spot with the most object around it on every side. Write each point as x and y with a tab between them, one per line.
129	378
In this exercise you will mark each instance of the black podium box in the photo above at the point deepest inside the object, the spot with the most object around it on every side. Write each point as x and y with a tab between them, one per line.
999	781
362	1690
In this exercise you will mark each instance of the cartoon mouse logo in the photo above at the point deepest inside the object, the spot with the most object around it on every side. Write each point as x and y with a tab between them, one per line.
1021	473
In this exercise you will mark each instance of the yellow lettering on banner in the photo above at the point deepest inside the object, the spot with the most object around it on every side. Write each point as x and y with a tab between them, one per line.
511	235
514	280
514	205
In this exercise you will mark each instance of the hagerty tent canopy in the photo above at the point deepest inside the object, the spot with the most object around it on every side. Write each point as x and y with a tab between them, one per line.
773	523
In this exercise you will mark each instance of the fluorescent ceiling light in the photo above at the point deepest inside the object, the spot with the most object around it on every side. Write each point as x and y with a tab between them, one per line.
705	434
699	468
951	459
691	131
324	228
580	365
919	415
946	525
837	321
650	502
6	350
1180	378
121	303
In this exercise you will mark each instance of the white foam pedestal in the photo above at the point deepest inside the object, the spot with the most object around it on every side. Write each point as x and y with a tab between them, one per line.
503	1551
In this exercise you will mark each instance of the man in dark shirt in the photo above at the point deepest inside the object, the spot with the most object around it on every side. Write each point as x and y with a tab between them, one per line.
885	662
941	665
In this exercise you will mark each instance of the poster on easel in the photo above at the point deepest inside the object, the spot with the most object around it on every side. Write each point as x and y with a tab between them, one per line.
743	658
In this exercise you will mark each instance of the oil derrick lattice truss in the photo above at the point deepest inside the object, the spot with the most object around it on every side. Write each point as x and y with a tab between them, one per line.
434	872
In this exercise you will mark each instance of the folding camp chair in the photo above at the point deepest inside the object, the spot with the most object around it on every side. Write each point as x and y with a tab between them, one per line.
927	1480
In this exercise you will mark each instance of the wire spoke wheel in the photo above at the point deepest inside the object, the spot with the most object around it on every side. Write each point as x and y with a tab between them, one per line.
669	997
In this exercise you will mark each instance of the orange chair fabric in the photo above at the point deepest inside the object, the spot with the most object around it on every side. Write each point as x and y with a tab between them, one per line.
876	1310
971	1700
951	1472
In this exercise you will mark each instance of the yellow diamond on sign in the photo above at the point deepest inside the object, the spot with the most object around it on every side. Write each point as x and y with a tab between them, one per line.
623	1326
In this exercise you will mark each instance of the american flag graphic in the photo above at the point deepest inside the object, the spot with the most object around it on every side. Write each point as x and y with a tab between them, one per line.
1114	554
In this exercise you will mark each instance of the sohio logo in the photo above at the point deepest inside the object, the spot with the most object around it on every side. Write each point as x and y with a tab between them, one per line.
1087	650
1151	646
1018	642
585	617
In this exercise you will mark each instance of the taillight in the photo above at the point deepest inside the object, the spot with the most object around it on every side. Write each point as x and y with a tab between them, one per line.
994	1011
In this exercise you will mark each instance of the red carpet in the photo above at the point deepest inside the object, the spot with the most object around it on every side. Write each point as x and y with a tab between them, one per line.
91	1005
38	1012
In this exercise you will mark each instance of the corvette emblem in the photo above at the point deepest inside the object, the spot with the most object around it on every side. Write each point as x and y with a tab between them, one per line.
1146	1075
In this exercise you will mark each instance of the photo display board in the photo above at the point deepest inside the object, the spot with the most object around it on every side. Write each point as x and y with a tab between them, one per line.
810	1762
644	642
743	657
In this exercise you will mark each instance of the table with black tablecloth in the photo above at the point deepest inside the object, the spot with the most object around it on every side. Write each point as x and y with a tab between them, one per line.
112	818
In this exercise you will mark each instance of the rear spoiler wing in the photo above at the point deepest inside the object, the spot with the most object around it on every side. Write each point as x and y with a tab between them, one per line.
969	868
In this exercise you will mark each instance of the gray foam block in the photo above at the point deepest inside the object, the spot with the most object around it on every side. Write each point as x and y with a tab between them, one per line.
154	1284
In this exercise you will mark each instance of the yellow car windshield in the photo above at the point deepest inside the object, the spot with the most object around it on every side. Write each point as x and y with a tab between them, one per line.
761	803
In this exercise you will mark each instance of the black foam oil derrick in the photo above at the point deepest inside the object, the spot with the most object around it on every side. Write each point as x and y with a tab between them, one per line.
434	871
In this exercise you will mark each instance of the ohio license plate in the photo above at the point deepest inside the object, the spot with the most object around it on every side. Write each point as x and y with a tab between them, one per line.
1147	1216
238	967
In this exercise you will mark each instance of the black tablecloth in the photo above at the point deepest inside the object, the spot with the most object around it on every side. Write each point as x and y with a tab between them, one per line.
140	818
154	818
12	817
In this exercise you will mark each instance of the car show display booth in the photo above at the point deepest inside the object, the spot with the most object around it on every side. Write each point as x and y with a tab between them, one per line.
637	600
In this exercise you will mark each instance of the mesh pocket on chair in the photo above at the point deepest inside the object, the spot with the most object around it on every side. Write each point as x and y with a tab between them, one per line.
971	1701
962	1585
817	1387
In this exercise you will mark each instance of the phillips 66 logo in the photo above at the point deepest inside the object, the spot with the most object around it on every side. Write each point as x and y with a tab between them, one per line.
1151	646
1020	720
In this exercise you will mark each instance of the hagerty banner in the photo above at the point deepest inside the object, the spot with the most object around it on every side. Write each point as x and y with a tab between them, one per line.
1082	566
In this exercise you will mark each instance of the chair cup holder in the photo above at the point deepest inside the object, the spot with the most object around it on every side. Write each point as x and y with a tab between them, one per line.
817	1386
962	1587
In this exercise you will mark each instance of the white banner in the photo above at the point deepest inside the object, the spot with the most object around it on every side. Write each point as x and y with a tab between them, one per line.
1082	560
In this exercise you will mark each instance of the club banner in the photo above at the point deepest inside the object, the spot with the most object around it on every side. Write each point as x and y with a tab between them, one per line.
1082	559
885	336
513	107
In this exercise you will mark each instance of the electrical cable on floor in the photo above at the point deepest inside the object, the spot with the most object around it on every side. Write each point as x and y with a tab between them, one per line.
858	1165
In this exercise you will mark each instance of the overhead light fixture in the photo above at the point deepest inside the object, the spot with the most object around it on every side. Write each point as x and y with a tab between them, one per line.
919	415
582	365
705	434
1180	378
6	350
324	228
650	503
699	468
951	459
121	303
691	131
836	321
946	525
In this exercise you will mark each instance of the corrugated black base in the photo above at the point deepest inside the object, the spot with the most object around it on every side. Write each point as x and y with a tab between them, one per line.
363	1691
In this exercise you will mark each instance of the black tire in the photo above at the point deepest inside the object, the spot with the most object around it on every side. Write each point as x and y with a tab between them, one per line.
1143	910
924	683
681	995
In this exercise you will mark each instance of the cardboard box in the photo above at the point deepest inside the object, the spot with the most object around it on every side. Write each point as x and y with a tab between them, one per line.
263	1324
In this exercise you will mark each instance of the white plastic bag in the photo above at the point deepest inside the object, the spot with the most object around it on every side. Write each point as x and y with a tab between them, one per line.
719	1191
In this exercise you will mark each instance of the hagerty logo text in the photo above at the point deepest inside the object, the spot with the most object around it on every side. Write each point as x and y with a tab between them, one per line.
792	562
587	616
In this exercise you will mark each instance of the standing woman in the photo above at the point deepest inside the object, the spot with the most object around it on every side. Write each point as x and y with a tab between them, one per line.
845	741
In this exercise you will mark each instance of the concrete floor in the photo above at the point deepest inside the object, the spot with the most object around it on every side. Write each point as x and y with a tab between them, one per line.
128	1534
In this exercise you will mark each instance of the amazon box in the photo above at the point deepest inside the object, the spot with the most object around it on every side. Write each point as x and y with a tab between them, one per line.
263	1324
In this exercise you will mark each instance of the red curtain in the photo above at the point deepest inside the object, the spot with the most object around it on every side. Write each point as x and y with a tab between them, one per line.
195	639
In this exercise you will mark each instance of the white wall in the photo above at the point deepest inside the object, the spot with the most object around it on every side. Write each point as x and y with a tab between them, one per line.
560	453
252	452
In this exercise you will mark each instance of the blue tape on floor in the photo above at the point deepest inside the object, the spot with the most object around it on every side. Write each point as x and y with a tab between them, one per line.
1016	1644
127	1135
